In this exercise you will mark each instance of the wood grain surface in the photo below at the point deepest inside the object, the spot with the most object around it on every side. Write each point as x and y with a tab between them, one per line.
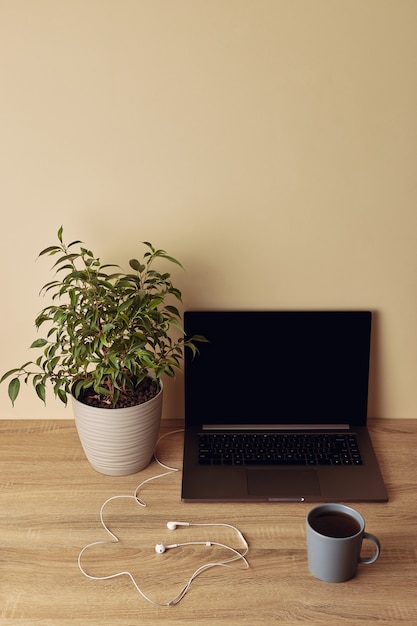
50	500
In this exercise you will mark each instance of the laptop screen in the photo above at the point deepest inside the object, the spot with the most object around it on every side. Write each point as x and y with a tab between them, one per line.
278	367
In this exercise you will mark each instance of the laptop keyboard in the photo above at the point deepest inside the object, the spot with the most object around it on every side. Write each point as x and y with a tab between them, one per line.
278	449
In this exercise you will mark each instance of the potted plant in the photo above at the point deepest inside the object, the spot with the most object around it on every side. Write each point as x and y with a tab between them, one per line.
111	336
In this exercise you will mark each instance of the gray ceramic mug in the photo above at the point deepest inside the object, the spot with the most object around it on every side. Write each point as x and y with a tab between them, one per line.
334	541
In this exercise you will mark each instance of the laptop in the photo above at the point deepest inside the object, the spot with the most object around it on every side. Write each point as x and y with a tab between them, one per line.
276	408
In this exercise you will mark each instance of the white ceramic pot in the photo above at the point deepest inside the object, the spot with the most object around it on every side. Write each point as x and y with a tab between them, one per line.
119	442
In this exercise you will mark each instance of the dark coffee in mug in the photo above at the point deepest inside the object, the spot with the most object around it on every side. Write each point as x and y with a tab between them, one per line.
335	524
334	534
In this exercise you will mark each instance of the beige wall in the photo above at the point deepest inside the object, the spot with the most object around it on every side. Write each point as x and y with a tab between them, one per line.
271	145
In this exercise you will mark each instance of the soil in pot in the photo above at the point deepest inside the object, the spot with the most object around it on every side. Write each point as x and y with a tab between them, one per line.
143	392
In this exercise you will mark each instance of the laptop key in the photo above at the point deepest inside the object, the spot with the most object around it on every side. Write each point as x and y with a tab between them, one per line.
275	461
291	462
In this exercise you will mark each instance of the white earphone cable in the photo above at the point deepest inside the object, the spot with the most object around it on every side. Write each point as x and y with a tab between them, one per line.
227	563
169	469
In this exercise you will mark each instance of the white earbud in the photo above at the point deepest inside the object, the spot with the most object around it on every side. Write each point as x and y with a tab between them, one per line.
173	525
160	548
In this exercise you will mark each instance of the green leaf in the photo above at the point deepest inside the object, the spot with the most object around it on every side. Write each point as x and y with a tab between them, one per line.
107	327
52	363
40	390
50	250
176	292
173	310
155	302
169	258
67	257
62	395
81	384
73	243
9	373
102	391
114	362
50	285
73	297
135	265
106	265
13	389
124	305
39	343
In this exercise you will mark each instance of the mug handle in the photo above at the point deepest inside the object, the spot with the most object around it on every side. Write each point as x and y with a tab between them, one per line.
377	545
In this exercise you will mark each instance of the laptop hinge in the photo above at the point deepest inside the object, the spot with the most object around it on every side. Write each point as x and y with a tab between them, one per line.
275	427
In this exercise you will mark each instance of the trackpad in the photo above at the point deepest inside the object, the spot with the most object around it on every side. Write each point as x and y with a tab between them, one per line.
283	483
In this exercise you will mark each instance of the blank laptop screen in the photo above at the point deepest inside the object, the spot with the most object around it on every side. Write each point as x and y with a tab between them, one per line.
267	367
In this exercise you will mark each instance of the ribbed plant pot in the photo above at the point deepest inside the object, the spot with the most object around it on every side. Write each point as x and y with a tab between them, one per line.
119	442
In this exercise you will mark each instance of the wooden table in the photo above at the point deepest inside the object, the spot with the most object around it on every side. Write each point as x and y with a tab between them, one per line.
50	503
